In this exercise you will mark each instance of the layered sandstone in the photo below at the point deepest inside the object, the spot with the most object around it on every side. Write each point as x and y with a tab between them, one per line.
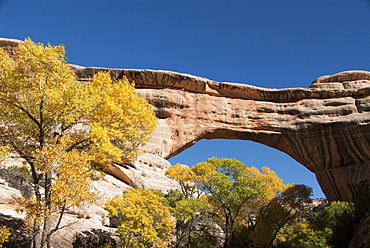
325	127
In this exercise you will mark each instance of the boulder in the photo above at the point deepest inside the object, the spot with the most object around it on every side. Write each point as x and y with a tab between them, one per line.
96	238
19	236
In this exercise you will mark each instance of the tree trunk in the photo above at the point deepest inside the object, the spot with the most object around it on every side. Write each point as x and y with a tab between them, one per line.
47	220
36	237
37	232
45	232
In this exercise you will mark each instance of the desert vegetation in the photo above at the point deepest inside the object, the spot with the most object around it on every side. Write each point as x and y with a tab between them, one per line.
225	203
58	126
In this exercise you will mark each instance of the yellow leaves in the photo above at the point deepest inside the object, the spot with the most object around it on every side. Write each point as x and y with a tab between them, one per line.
37	57
58	125
180	173
71	171
37	89
273	183
70	186
36	211
40	94
143	220
205	171
37	67
4	235
6	65
101	138
4	152
118	117
186	178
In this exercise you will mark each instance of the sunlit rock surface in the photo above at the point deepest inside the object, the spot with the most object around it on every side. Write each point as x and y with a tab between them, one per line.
325	127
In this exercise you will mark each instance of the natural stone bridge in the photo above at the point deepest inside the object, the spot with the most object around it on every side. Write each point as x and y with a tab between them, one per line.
325	127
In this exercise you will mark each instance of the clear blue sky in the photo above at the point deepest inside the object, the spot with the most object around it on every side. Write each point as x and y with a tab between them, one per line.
267	43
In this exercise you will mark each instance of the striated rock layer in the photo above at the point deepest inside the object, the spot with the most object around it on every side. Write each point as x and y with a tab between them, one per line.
325	127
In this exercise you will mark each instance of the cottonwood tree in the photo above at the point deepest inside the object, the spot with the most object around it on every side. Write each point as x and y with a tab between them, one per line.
339	218
250	205
330	227
143	220
58	126
190	208
229	184
185	176
194	225
275	214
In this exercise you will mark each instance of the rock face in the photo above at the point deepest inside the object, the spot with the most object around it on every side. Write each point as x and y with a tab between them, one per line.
361	237
325	127
19	236
91	226
95	238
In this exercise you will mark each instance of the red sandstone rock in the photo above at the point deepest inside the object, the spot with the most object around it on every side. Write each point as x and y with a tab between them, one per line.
325	127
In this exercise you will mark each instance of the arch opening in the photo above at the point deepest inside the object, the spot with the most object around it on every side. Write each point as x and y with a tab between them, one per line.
252	154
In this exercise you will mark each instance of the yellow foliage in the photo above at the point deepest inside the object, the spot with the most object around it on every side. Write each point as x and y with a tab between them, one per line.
4	235
121	121
71	174
4	152
244	200
59	125
40	96
180	173
143	220
185	177
274	184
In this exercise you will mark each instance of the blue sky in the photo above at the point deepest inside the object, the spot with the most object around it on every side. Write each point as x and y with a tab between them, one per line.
267	43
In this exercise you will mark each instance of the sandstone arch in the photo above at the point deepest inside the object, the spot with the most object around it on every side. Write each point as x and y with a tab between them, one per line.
325	127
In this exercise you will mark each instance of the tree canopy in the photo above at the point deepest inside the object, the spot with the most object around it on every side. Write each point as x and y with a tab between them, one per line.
143	220
58	125
250	205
